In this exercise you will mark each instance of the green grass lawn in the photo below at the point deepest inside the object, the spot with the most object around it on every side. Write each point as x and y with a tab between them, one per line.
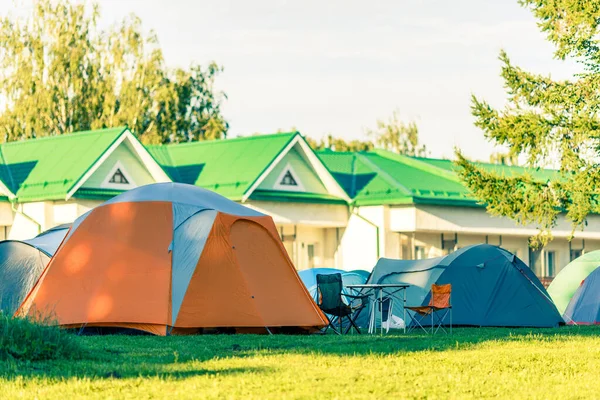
472	363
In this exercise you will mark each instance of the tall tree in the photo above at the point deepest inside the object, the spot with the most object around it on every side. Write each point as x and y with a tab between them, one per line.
550	122
398	136
59	74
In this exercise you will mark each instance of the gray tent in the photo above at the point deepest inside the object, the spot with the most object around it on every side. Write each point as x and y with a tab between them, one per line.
22	263
490	287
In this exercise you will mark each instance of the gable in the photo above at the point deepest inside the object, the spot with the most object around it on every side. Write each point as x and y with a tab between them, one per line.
124	163
47	168
293	168
228	166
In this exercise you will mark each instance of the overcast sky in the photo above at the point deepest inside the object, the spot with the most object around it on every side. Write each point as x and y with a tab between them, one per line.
337	66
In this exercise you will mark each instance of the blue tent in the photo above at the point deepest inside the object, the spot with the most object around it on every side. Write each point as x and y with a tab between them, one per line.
490	287
22	263
309	277
584	307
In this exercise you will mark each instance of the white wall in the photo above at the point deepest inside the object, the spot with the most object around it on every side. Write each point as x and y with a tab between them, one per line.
424	225
314	214
323	242
359	244
475	220
23	227
46	215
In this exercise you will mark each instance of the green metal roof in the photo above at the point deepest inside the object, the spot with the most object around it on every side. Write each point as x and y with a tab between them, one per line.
275	195
228	166
97	194
48	168
382	177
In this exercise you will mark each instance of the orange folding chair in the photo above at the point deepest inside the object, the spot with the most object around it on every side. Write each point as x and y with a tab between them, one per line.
439	306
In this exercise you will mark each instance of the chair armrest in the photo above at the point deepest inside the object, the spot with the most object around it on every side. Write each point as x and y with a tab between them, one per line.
364	300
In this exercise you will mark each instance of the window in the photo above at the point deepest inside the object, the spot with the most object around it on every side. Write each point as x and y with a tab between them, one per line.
550	258
118	177
420	253
288	179
4	232
310	250
575	254
449	246
449	243
535	262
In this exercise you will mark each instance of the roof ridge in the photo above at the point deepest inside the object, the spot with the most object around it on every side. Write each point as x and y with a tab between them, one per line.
227	140
65	136
416	163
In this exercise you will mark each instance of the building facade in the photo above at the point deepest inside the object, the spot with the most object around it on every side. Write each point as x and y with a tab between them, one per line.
332	209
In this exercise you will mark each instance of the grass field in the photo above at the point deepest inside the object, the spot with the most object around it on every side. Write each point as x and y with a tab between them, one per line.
472	363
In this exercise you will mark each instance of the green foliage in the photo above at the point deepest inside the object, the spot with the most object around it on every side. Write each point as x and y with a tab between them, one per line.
339	144
503	159
24	340
470	363
393	135
60	74
551	123
398	137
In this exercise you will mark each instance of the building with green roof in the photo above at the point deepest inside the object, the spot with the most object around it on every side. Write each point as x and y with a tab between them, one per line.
418	208
333	209
53	180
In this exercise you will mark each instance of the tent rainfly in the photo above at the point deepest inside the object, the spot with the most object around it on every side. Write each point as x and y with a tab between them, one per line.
568	280
171	258
22	262
490	287
309	278
584	307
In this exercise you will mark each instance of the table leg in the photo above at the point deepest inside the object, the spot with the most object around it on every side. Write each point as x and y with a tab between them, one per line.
381	311
372	316
404	307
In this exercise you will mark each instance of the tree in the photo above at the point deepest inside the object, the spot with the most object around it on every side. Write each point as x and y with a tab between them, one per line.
338	144
549	122
394	135
397	136
503	158
60	74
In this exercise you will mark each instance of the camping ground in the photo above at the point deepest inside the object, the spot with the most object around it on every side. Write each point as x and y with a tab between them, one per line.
470	363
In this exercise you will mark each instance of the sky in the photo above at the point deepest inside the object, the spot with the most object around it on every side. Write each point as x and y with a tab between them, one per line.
336	67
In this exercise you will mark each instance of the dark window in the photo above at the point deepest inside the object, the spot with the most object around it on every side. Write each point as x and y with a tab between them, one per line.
550	264
535	262
288	180
576	253
449	246
118	177
420	253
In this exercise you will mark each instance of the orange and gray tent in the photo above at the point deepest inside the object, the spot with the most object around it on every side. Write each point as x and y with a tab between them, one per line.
21	264
171	258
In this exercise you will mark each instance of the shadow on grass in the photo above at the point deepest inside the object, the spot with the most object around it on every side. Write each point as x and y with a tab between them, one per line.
101	371
398	342
180	357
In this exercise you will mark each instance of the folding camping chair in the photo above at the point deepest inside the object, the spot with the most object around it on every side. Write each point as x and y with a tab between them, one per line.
330	300
438	304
